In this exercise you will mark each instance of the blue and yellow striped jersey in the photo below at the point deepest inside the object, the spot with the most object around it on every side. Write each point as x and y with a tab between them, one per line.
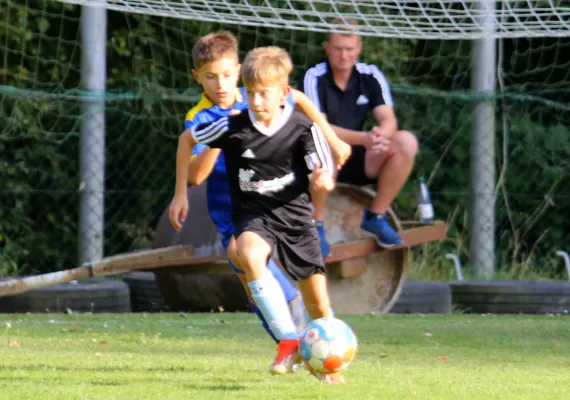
218	191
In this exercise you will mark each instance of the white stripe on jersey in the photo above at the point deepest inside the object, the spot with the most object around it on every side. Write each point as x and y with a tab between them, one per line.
310	83
211	131
373	70
323	149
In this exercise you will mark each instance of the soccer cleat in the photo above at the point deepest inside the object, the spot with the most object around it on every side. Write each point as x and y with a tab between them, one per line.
298	313
324	243
287	356
335	379
378	225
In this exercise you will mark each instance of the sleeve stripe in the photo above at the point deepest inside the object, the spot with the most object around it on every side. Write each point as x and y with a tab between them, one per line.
379	76
310	83
323	149
210	132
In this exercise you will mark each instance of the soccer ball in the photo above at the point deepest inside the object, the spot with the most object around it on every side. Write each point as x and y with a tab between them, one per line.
327	345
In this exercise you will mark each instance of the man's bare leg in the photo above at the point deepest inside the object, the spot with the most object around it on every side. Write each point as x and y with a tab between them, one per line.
392	169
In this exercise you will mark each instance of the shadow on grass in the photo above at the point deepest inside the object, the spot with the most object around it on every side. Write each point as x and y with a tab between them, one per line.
103	368
216	388
114	382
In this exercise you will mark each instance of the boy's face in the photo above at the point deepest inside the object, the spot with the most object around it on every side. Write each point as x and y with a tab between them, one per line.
265	101
219	79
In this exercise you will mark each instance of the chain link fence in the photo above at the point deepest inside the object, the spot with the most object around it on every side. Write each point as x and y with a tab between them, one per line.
150	89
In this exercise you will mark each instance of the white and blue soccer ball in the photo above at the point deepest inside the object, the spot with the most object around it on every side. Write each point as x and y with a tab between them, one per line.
327	345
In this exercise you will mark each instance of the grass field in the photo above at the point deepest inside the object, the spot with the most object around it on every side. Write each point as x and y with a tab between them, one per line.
226	356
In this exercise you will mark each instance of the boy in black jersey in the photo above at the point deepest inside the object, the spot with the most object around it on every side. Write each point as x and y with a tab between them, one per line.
270	151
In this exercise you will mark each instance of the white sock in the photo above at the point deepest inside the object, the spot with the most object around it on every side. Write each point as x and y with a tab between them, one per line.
271	301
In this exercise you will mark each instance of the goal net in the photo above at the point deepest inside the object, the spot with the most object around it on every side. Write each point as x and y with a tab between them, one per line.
443	19
150	88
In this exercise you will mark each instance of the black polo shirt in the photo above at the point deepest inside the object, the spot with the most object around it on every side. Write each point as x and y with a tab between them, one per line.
367	88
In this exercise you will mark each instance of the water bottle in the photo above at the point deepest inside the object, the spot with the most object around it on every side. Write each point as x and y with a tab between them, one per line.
425	208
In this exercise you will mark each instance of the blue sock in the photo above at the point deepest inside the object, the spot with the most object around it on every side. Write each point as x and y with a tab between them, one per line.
271	302
289	290
263	321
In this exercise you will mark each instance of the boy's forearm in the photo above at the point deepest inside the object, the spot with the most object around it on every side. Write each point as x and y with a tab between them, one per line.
185	145
350	136
306	106
202	165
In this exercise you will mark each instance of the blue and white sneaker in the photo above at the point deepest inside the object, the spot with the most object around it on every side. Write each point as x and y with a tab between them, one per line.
325	246
378	225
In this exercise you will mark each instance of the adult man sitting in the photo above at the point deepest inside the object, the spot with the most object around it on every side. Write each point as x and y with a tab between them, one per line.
345	89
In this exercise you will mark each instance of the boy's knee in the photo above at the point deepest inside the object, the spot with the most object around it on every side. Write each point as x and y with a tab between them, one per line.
250	256
407	144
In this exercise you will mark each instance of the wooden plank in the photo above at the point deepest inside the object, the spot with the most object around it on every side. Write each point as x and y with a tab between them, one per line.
340	251
364	247
348	268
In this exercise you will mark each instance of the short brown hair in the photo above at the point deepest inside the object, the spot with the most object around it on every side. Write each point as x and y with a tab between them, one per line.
213	47
347	27
266	65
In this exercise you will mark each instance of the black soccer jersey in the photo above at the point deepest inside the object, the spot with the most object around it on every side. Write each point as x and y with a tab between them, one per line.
268	169
366	88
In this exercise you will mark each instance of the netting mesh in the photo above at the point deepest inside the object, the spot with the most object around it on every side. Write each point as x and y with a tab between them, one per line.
150	89
442	19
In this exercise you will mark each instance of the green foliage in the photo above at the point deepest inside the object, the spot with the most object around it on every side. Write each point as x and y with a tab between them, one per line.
150	89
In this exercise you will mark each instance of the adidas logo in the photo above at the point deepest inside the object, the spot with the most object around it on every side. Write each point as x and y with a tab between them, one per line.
248	154
362	99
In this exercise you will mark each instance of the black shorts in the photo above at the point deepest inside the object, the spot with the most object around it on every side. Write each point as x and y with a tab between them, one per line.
298	250
353	171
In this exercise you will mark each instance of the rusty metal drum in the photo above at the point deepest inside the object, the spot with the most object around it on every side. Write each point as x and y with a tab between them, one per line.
374	282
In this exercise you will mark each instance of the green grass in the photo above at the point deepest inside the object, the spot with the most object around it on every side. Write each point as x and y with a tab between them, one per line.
226	356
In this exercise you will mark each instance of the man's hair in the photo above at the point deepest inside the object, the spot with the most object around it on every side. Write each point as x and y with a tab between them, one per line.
266	66
346	27
213	47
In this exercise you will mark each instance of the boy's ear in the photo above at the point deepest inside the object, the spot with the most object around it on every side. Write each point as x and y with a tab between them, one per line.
286	91
238	69
196	76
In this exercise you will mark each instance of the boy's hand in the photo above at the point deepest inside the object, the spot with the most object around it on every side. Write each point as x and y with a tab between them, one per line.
341	152
178	211
322	180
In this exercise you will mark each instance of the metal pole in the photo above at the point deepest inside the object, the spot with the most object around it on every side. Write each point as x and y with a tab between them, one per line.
483	148
92	140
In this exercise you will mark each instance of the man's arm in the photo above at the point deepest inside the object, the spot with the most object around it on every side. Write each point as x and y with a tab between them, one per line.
382	104
346	135
386	119
350	136
383	111
387	127
341	151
